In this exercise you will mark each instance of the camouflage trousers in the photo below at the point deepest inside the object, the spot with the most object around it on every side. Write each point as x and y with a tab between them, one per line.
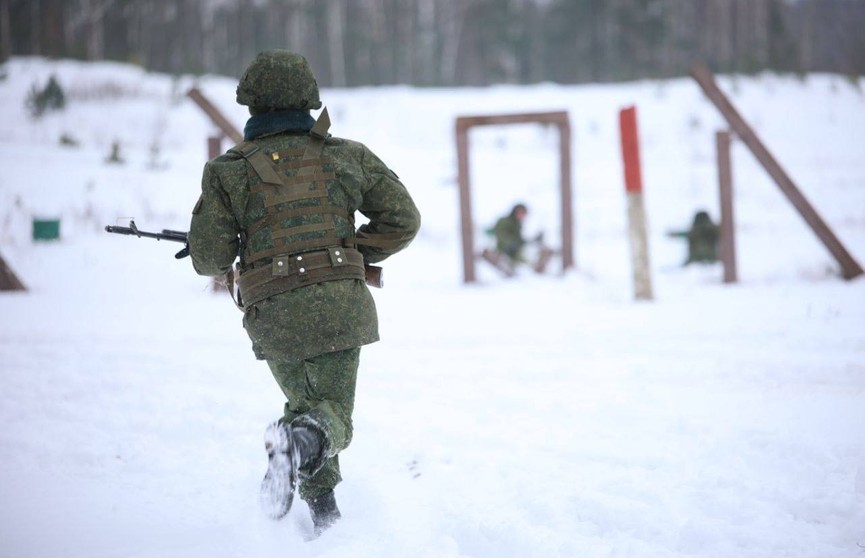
320	392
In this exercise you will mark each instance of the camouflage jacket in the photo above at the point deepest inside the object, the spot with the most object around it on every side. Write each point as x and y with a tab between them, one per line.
509	237
322	317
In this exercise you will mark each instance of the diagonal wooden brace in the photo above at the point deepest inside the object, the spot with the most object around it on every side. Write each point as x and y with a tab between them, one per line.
849	266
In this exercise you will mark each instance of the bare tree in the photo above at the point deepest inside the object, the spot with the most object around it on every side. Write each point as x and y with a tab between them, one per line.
94	11
335	32
451	21
35	43
5	31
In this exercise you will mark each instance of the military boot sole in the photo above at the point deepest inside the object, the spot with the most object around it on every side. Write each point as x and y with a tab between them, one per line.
280	481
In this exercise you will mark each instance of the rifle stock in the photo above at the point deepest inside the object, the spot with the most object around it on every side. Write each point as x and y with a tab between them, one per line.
373	276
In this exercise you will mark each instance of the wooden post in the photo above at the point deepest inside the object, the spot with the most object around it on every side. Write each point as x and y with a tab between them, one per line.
568	257
636	211
8	280
462	131
214	147
727	247
558	119
850	267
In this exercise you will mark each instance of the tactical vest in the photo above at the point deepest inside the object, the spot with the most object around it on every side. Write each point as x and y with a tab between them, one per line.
291	264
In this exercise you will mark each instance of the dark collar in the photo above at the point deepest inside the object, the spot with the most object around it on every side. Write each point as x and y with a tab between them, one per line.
278	121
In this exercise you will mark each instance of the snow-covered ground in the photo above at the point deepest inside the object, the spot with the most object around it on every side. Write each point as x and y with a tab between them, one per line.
545	416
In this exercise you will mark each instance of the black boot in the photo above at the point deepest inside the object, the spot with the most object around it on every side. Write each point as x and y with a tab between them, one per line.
289	449
306	444
324	512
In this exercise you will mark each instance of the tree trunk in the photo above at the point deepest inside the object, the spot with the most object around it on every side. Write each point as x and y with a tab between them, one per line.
35	28
5	32
451	37
96	10
336	49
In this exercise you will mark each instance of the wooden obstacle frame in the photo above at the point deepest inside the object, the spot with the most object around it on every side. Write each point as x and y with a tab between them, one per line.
463	125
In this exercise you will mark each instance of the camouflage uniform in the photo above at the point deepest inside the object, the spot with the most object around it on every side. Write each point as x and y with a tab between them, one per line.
310	335
703	239
509	234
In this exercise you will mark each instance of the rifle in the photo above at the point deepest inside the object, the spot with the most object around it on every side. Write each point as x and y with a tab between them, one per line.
166	234
372	273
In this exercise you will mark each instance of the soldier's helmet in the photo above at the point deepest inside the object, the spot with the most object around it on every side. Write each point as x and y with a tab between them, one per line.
278	80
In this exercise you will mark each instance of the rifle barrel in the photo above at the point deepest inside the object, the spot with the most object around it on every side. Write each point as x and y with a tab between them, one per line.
176	236
118	230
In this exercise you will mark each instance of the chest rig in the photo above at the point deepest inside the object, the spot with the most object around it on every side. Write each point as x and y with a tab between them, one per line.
299	222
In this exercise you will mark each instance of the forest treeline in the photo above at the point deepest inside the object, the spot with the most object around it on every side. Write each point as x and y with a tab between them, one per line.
449	42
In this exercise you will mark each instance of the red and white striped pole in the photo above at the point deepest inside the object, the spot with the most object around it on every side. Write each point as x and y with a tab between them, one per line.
636	211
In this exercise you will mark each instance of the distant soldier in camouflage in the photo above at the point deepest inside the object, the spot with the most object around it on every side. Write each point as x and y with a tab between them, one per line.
508	231
510	243
703	238
284	203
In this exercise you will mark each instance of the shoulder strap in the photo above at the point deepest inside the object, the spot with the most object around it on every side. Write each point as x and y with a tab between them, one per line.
317	135
256	157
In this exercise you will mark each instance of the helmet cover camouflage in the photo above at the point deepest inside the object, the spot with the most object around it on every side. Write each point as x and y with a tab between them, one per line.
279	80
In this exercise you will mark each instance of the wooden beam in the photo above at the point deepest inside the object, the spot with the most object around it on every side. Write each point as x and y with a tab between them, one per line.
217	117
8	280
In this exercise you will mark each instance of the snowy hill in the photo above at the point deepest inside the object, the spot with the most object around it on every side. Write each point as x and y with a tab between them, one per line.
547	416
